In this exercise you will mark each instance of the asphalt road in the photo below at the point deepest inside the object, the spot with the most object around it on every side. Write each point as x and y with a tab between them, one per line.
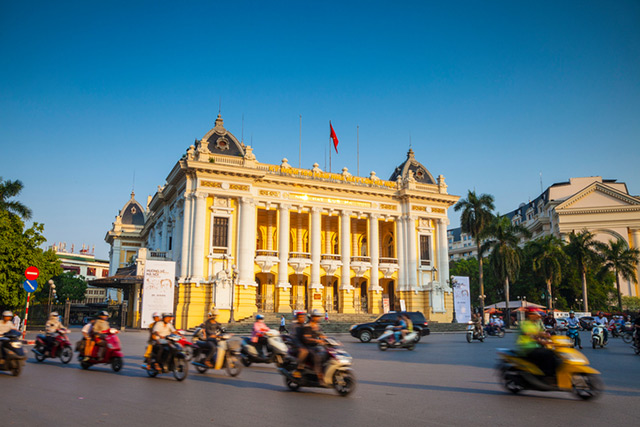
444	382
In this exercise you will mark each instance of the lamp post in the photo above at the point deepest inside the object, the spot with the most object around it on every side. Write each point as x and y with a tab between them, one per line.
52	290
454	283
234	275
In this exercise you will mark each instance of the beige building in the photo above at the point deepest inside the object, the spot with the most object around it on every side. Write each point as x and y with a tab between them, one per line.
85	264
602	206
260	237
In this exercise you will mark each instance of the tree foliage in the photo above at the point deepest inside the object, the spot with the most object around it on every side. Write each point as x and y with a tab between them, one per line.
19	249
9	189
68	286
622	261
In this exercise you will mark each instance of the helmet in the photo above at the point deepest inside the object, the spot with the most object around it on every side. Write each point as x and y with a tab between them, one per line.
7	313
156	314
167	314
501	317
214	312
103	313
300	313
316	313
259	317
53	314
572	312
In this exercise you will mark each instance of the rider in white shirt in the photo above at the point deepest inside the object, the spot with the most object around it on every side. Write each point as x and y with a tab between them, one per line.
601	320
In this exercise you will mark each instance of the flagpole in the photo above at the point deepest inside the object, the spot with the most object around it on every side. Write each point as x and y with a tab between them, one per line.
330	146
300	145
358	149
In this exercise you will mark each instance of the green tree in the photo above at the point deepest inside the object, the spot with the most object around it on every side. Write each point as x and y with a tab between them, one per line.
506	255
548	257
583	250
474	220
621	260
68	286
19	249
9	189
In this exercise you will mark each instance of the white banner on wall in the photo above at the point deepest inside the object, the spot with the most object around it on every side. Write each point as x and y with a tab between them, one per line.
462	299
157	289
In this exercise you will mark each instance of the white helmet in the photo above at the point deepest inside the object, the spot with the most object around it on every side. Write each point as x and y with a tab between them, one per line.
7	313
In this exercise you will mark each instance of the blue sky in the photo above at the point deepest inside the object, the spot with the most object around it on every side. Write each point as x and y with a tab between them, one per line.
491	93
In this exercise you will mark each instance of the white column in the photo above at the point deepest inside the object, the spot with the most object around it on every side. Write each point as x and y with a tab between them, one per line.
269	230
197	261
412	256
345	249
185	269
374	251
316	247
177	235
283	246
115	257
402	268
247	249
443	252
635	234
165	229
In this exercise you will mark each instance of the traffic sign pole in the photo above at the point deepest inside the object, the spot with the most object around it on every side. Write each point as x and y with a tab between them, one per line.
26	316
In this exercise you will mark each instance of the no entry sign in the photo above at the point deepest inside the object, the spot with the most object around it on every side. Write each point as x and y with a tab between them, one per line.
31	273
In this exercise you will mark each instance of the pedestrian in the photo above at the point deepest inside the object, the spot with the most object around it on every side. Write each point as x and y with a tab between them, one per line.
16	321
283	327
326	316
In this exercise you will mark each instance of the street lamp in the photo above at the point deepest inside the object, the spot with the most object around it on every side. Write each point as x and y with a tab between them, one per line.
234	275
454	283
52	290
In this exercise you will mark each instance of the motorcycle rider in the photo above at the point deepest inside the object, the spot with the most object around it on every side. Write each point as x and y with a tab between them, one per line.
399	326
573	322
160	331
51	328
97	332
476	319
601	320
313	338
409	327
550	321
636	330
258	337
6	325
297	329
85	346
147	354
212	331
531	345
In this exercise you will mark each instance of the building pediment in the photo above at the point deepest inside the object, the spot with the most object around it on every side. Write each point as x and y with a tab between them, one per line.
598	196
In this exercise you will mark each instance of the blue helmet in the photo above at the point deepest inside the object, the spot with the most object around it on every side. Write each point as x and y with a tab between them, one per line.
259	317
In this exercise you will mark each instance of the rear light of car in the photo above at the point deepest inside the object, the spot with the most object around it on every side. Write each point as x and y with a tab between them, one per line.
426	323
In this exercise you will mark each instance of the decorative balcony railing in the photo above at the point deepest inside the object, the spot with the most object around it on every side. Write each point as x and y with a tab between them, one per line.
425	263
331	257
360	259
385	260
265	252
305	255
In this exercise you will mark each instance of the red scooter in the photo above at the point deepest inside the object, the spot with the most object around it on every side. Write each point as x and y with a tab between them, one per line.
61	347
187	346
112	352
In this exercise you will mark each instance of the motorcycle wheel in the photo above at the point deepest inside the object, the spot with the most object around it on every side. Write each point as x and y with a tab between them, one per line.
383	345
152	373
292	385
637	350
627	338
469	338
233	366
418	336
586	386
245	360
16	368
180	367
66	355
594	343
344	382
481	339
116	363
85	365
411	346
501	334
188	352
509	380
39	357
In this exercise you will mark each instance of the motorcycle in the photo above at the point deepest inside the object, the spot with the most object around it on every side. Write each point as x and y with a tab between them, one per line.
276	350
227	355
387	340
112	353
573	374
336	366
495	331
173	359
597	337
61	347
14	356
574	336
472	334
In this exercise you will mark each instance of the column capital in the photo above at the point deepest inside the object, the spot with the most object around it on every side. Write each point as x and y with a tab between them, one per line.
374	215
199	195
248	201
284	206
316	209
345	212
443	221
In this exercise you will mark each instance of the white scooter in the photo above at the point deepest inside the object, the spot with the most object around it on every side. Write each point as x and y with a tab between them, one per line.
597	337
275	350
387	340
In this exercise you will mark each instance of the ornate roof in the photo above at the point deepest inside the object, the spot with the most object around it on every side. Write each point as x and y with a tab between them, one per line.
412	167
132	213
220	141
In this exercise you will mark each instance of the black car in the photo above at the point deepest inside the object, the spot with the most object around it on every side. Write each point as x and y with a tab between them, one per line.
365	332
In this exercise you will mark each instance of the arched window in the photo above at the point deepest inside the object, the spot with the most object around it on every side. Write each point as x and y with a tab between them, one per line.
334	244
363	246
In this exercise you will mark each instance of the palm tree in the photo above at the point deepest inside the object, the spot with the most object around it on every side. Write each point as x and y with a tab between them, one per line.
476	216
9	189
622	261
548	257
505	253
583	249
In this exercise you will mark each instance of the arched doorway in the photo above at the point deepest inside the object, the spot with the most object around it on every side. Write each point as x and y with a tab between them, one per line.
389	292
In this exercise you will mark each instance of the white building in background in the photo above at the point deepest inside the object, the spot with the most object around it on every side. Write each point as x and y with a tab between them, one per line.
85	264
